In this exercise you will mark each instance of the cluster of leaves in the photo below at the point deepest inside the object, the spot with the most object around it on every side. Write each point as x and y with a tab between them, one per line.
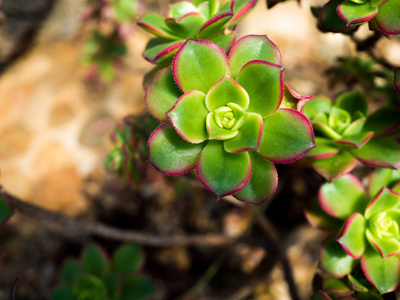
113	22
218	118
347	15
95	277
366	232
129	153
346	134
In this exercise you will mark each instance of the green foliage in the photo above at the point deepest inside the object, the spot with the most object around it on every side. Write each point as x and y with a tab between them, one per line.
6	209
95	277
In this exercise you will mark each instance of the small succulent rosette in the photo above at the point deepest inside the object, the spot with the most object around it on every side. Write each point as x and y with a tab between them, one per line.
129	154
221	116
196	20
342	16
345	134
368	231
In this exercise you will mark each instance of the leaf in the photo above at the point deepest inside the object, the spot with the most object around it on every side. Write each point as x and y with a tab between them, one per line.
188	117
138	288
215	132
386	246
127	259
356	13
379	152
88	286
343	197
318	218
169	153
253	47
198	65
221	172
214	24
161	94
155	24
329	19
334	260
381	177
382	273
317	105
356	140
70	270
352	236
180	9
335	166
287	136
263	181
352	102
241	8
159	50
264	84
324	148
338	119
385	200
187	25
388	19
383	121
224	41
6	210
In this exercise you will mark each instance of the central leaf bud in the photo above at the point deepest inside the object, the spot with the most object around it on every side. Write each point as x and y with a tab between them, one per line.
230	117
384	225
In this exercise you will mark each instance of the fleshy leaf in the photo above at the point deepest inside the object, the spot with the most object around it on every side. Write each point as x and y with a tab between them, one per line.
264	84
324	148
224	41
381	177
198	65
127	259
388	19
383	273
383	121
356	13
241	8
355	127
329	18
155	24
356	140
263	181
352	236
321	127
187	25
352	102
6	210
215	132
379	152
94	261
188	116
161	94
356	284
253	47
179	9
317	105
396	79
225	91
343	197
159	50
385	200
169	153
287	136
248	137
221	172
333	167
339	119
336	286
318	218
387	247
293	100
214	24
334	260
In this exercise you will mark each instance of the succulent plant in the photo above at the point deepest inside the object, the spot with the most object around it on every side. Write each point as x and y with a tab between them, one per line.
224	117
341	16
95	277
129	154
367	232
346	134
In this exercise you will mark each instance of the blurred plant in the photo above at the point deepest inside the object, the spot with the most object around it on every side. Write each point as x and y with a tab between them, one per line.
345	15
95	277
366	232
223	116
129	154
113	23
196	20
6	210
346	134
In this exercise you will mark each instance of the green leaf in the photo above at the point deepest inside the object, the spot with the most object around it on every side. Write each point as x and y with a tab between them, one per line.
386	246
6	210
125	10
355	13
336	286
383	273
221	172
187	25
161	94
343	197
352	236
339	119
88	287
63	292
198	65
127	259
241	9
169	153
356	284
248	137
379	152
381	177
70	270
212	26
287	136
226	91
224	41
352	102
213	6
388	19
138	288
324	148
355	128
253	47
179	9
329	18
356	140
188	116
94	260
334	260
333	167
215	132
263	181
383	121
385	200
263	82
318	218
111	282
159	50
155	24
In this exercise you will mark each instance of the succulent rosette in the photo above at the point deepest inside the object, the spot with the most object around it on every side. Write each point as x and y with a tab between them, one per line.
368	231
196	20
341	16
346	134
221	116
